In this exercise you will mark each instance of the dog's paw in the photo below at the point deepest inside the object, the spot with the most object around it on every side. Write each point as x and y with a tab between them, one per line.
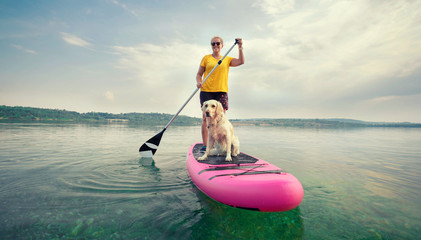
228	158
202	158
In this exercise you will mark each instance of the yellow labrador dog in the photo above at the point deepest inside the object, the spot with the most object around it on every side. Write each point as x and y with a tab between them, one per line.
220	131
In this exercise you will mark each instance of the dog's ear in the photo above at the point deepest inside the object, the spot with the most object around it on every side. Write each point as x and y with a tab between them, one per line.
203	107
219	109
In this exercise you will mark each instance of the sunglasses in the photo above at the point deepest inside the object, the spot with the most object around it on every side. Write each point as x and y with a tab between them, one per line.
217	43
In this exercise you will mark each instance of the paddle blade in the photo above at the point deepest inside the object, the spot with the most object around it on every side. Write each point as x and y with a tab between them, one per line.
149	148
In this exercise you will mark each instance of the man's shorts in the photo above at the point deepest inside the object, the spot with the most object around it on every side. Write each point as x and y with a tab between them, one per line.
218	96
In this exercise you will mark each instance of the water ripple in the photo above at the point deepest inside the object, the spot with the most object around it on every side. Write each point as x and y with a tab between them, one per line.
124	178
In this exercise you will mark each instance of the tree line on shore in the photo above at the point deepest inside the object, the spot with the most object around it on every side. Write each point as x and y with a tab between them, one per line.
8	114
321	123
56	115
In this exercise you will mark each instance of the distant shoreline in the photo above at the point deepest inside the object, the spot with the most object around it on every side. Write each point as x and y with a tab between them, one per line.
29	114
322	123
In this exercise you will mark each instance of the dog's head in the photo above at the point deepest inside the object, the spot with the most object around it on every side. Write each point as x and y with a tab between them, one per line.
212	109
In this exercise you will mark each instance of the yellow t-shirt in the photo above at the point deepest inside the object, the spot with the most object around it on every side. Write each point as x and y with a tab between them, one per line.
218	80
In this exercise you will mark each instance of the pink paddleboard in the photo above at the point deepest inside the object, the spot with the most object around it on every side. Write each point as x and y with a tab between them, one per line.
246	182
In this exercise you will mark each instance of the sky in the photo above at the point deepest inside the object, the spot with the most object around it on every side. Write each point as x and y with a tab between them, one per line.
358	59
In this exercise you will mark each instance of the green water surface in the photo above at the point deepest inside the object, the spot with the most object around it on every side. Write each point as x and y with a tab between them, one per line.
77	181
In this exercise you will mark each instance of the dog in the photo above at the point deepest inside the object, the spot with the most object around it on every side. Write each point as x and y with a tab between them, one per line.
221	137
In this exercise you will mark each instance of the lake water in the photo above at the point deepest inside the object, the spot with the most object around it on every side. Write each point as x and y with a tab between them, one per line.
81	181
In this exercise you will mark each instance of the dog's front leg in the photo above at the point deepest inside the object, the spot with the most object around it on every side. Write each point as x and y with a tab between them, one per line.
211	142
205	156
228	148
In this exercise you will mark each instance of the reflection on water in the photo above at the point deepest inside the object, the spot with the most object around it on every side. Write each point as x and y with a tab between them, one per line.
88	181
219	221
148	162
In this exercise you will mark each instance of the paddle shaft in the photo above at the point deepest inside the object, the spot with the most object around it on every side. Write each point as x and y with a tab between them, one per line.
197	89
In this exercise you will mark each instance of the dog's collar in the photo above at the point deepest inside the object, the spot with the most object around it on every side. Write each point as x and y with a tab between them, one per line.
212	125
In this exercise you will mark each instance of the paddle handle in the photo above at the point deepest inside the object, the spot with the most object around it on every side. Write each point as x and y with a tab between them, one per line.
197	89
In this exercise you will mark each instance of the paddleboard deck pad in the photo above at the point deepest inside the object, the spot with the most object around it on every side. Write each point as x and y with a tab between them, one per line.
242	158
245	182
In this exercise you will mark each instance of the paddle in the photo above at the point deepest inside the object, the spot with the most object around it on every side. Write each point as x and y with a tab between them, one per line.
149	148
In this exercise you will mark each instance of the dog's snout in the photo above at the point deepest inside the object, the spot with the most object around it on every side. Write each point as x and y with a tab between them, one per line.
207	114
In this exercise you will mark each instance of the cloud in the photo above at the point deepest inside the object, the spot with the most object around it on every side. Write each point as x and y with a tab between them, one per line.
125	7
275	7
338	47
19	47
74	40
160	65
161	76
109	95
